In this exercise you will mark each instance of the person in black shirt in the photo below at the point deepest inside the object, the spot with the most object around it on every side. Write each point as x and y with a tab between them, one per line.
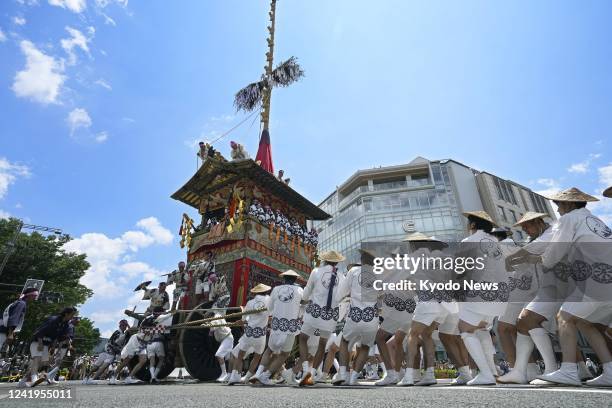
52	329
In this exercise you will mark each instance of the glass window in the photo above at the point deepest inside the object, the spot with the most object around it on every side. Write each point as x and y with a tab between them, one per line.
501	212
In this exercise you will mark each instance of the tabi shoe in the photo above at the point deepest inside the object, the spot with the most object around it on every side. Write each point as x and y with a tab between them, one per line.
482	379
604	380
246	377
287	375
407	380
234	378
265	379
22	383
130	380
562	377
515	376
390	379
112	381
339	379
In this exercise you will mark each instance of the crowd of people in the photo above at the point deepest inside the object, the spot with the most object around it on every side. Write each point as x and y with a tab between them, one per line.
554	286
400	326
267	216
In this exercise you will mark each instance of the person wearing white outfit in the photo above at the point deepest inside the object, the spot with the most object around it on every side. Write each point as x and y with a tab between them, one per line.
284	307
425	313
362	320
541	310
321	312
253	340
581	241
223	335
475	317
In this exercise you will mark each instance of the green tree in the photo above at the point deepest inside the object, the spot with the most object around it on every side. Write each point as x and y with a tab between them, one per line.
41	257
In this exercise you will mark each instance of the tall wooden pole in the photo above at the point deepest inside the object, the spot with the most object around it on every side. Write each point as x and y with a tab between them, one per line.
265	111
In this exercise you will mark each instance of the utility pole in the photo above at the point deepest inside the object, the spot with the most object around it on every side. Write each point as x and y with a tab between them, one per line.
10	246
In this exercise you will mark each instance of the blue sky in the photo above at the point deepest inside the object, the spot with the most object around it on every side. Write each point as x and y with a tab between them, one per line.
102	103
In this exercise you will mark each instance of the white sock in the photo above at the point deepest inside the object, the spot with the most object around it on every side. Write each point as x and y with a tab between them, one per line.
540	338
384	369
152	371
336	364
342	371
487	347
234	372
265	374
524	347
474	347
429	372
223	369
259	370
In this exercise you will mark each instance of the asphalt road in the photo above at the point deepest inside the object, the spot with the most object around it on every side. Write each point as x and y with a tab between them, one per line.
188	394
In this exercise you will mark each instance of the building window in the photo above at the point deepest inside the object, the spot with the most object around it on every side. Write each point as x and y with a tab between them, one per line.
512	216
501	212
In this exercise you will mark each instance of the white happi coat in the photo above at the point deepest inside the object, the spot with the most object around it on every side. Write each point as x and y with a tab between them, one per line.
580	253
317	314
487	246
284	306
363	310
256	323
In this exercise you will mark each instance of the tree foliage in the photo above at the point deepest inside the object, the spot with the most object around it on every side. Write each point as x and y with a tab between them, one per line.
38	256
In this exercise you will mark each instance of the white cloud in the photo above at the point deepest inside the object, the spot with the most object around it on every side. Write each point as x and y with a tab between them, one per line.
583	166
2	36
78	118
105	255
4	214
103	84
101	137
605	175
76	6
9	173
156	230
19	20
41	79
77	40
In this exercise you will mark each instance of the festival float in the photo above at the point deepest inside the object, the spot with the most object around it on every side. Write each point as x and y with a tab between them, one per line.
253	227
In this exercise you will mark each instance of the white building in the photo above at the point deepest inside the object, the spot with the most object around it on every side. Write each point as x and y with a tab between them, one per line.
383	204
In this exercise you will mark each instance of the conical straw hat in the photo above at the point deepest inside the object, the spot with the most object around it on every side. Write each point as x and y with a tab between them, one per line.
530	216
480	214
572	195
332	256
260	288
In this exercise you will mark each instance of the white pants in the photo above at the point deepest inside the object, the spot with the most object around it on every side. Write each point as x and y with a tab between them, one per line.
156	348
225	348
281	342
250	345
104	358
133	347
34	352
